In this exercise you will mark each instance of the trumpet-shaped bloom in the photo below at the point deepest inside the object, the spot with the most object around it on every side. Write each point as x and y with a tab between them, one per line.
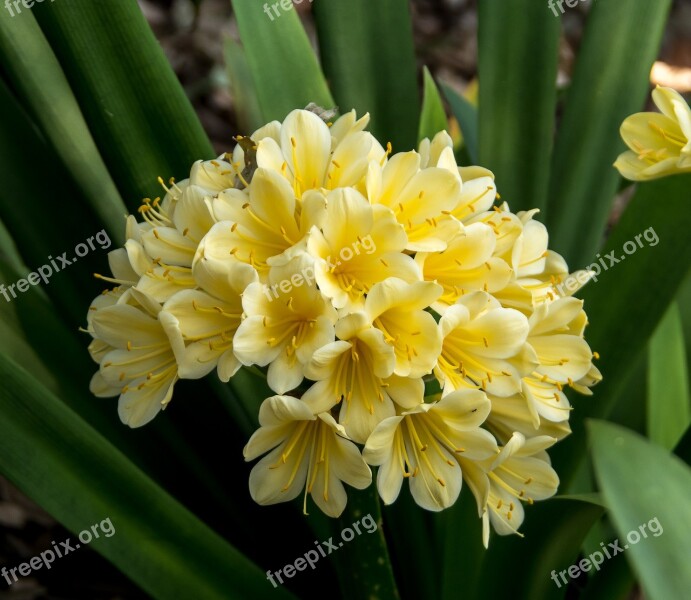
423	446
284	329
521	242
137	361
253	228
420	199
98	348
163	251
201	324
345	270
484	346
520	473
397	309
660	143
304	451
512	414
556	337
310	156
478	191
467	265
355	371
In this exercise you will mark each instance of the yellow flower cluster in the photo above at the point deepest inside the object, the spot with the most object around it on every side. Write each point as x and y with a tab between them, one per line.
358	278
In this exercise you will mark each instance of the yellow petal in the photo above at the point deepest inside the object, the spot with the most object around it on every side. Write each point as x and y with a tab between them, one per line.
306	145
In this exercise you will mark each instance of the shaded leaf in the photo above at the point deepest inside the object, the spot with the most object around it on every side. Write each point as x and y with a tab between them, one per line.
369	59
518	51
37	76
610	82
281	60
646	486
466	115
669	413
81	479
136	109
433	116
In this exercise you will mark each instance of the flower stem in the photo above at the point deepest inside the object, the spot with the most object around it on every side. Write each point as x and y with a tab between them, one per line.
363	564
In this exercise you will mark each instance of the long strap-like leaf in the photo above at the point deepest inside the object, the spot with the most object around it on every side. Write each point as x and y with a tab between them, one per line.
283	65
369	59
81	479
37	76
647	491
621	41
638	287
136	109
518	50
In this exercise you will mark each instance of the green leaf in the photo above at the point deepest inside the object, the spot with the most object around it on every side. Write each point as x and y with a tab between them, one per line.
8	250
683	448
669	413
433	116
143	123
281	60
53	346
14	343
460	546
41	234
245	100
684	303
369	59
614	581
622	319
466	115
629	408
44	91
81	479
408	529
518	52
609	83
645	485
542	551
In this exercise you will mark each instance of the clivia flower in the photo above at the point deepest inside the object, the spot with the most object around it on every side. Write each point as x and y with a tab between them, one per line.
423	445
520	473
660	143
284	332
135	356
308	451
354	279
